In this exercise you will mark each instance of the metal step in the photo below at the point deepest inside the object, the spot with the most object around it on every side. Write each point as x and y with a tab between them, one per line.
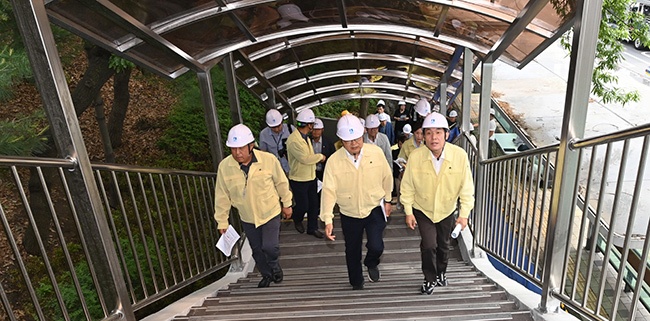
316	286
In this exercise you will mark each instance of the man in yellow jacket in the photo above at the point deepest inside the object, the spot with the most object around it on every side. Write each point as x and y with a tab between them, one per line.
436	179
359	180
302	173
253	182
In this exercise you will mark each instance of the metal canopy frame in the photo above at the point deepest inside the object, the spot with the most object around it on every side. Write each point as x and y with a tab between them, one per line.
155	35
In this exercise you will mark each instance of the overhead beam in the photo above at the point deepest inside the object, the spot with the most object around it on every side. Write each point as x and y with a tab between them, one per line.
260	76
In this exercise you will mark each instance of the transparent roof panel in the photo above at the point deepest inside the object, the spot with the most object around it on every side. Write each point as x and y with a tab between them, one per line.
520	47
302	46
473	27
148	12
156	57
206	35
387	11
77	13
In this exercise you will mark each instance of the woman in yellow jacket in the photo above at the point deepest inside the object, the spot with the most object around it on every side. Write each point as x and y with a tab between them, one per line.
253	182
358	179
434	181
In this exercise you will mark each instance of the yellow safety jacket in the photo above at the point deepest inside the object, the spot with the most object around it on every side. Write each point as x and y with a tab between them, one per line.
258	197
437	195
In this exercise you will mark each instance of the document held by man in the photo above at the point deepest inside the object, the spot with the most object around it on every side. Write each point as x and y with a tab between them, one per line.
227	240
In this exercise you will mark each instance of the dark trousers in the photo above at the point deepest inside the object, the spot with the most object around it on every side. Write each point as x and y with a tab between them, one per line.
265	242
307	201
434	247
374	225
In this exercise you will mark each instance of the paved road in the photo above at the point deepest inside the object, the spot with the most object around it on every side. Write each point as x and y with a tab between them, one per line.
536	96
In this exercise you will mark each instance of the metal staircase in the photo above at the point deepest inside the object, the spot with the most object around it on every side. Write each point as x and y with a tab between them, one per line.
316	287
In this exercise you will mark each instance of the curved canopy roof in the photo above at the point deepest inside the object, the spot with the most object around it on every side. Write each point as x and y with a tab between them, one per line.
312	52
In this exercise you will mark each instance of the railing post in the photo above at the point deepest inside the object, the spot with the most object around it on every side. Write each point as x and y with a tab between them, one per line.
583	53
50	79
483	146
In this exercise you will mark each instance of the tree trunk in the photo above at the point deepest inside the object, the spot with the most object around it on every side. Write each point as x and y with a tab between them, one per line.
121	99
96	75
363	108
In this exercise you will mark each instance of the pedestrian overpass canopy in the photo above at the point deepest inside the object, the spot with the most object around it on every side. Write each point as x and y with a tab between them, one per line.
306	53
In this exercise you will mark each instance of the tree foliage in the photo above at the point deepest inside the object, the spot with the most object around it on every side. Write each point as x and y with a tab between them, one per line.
618	24
22	136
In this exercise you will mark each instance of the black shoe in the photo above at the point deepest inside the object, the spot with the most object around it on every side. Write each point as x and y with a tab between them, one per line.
317	234
373	274
427	287
358	287
299	227
265	282
278	276
442	280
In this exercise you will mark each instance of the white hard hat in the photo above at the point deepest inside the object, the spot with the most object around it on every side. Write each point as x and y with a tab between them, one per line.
349	127
273	118
492	112
306	116
363	122
383	117
436	108
318	124
401	102
372	121
407	129
435	120
381	102
291	11
239	136
423	107
453	113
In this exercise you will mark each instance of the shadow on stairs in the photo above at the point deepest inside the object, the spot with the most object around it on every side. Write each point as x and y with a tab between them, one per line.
316	287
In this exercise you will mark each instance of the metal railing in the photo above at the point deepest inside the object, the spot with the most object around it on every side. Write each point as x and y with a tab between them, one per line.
160	220
607	246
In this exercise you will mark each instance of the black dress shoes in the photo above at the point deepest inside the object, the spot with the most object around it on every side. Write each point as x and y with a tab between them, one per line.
265	282
299	227
317	234
278	276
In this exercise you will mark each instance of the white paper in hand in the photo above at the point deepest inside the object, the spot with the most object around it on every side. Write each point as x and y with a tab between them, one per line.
319	185
383	209
227	240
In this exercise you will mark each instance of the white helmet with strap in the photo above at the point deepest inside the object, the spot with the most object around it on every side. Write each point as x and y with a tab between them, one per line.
239	136
422	107
306	116
273	118
349	127
435	120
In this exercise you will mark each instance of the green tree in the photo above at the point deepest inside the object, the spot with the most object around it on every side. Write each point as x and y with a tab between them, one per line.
614	28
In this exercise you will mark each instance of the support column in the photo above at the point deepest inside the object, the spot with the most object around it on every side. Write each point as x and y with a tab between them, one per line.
211	118
483	144
583	54
443	96
468	69
50	80
233	94
484	109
